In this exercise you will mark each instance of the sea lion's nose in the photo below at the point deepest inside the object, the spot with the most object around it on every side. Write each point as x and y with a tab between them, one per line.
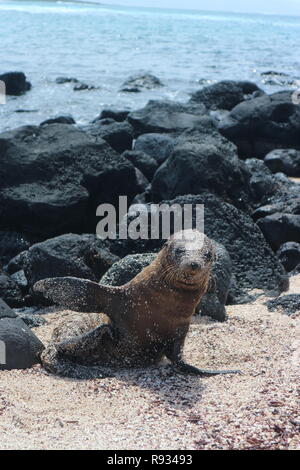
195	265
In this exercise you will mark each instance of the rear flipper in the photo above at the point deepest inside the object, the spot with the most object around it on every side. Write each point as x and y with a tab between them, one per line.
184	368
88	344
58	364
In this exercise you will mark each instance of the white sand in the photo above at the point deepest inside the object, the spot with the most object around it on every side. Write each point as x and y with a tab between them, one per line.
155	409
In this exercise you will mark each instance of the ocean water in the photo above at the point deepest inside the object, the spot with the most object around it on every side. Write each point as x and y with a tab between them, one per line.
104	45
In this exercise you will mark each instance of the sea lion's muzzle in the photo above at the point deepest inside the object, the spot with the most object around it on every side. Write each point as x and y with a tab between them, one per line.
195	266
192	268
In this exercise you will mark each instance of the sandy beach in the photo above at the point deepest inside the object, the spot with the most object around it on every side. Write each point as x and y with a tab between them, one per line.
155	409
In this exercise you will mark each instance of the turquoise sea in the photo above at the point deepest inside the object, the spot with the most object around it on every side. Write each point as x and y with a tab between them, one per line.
104	45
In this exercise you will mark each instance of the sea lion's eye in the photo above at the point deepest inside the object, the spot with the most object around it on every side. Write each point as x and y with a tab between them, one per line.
208	256
179	251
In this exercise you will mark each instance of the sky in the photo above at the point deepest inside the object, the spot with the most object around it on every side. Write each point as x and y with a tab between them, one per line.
281	7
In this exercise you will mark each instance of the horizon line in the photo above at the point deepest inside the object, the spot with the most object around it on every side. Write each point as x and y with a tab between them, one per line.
236	12
203	10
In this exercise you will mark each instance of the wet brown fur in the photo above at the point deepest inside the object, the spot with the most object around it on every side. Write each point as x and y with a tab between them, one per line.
148	317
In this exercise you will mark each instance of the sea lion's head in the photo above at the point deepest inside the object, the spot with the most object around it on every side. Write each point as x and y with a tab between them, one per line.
187	258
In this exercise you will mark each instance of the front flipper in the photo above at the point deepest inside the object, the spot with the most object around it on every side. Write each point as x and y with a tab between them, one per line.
80	295
184	368
174	353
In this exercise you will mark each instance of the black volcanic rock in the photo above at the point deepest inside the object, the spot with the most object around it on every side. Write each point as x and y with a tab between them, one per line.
284	160
19	347
289	255
66	119
12	243
83	256
119	135
263	124
226	94
271	77
289	304
280	228
53	177
15	83
126	269
142	182
81	86
285	199
114	114
262	182
157	146
146	164
166	117
195	167
63	80
10	291
140	82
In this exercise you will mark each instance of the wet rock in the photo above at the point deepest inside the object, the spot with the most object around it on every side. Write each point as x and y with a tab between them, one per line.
63	80
289	255
114	114
195	167
263	211
126	269
119	135
286	199
26	110
140	82
263	124
19	347
146	164
272	72
12	243
284	160
280	228
81	86
20	279
10	292
262	182
166	117
226	94
289	304
15	83
142	198
295	271
66	119
271	77
157	146
53	177
142	181
83	256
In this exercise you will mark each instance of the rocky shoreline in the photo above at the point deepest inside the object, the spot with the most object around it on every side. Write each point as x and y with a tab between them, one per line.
231	147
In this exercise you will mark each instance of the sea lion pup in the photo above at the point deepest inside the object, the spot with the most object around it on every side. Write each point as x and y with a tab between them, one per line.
148	317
